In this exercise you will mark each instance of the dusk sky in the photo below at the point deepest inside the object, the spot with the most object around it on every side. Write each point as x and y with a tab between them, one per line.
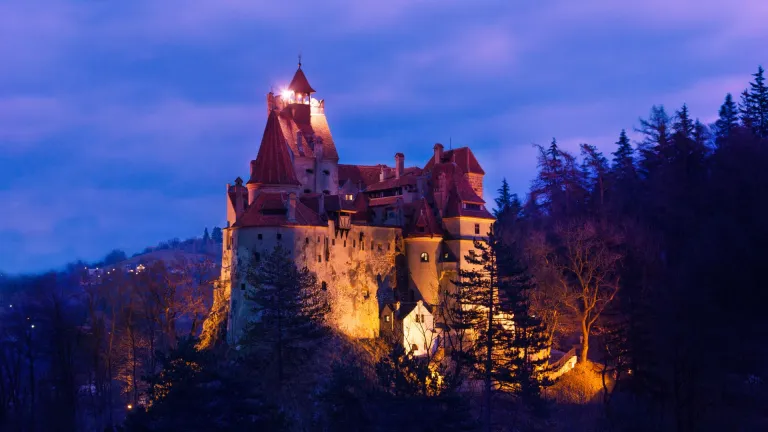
122	121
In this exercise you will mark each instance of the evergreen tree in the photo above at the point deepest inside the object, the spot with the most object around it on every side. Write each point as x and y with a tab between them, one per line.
192	393
291	309
754	109
701	135
206	236
728	120
624	157
656	139
504	200
683	125
216	235
595	175
525	359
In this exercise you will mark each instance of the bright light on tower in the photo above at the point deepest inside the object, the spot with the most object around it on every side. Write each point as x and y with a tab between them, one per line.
287	94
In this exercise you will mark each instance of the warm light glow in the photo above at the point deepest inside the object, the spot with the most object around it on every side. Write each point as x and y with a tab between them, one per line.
287	94
130	406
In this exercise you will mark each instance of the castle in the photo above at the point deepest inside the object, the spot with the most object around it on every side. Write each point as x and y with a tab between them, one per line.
384	241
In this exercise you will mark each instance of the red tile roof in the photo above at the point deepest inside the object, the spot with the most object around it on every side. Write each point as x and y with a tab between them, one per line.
456	208
361	209
390	200
273	164
456	180
463	157
392	182
364	174
271	209
423	222
313	127
299	83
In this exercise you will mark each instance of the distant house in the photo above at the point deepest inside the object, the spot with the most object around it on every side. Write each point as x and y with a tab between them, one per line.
412	324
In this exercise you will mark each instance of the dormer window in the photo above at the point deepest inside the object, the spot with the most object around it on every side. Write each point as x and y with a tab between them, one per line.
349	197
310	171
424	257
326	172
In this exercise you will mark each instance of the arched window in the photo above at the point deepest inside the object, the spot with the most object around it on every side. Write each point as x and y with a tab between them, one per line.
424	257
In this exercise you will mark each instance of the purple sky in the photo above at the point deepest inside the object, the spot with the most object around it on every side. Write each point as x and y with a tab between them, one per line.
121	122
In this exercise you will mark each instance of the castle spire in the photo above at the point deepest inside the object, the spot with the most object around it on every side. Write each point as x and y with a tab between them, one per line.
273	164
299	83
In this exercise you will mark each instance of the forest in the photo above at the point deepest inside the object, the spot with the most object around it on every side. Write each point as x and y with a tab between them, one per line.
645	259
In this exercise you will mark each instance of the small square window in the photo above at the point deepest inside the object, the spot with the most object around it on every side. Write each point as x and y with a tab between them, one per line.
324	286
318	239
279	236
345	243
242	287
319	258
333	242
477	228
386	318
261	236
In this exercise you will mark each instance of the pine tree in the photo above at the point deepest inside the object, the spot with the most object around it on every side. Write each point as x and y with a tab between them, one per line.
755	105
683	125
595	175
206	236
291	309
504	201
525	360
216	235
656	138
623	158
477	308
727	122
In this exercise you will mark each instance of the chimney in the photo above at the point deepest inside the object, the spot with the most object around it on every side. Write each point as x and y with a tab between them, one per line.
438	153
239	201
399	164
292	207
381	174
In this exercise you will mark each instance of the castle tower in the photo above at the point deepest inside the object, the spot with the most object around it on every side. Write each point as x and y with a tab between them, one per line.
272	170
422	246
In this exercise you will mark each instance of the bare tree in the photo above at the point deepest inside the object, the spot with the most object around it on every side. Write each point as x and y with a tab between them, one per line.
587	268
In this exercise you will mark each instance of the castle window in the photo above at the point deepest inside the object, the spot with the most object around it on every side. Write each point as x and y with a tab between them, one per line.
318	239
333	242
319	258
353	243
424	257
389	246
349	197
324	286
310	171
477	228
257	257
417	318
379	247
307	190
386	318
229	242
261	236
326	192
371	244
242	287
306	240
279	236
326	172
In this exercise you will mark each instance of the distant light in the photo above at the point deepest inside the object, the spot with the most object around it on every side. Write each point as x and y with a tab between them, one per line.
33	326
10	305
130	406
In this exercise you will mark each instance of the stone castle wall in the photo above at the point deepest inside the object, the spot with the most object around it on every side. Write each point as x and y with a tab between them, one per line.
359	275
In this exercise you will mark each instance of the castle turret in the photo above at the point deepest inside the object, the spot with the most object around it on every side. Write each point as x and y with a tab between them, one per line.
399	164
272	168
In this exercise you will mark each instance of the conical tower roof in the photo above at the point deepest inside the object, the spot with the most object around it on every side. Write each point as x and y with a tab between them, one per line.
299	83
273	164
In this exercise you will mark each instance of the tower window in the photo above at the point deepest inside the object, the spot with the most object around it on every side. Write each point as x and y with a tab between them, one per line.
424	257
386	318
319	258
477	228
242	287
318	239
310	171
326	172
306	240
279	236
261	236
307	190
354	243
333	242
324	286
